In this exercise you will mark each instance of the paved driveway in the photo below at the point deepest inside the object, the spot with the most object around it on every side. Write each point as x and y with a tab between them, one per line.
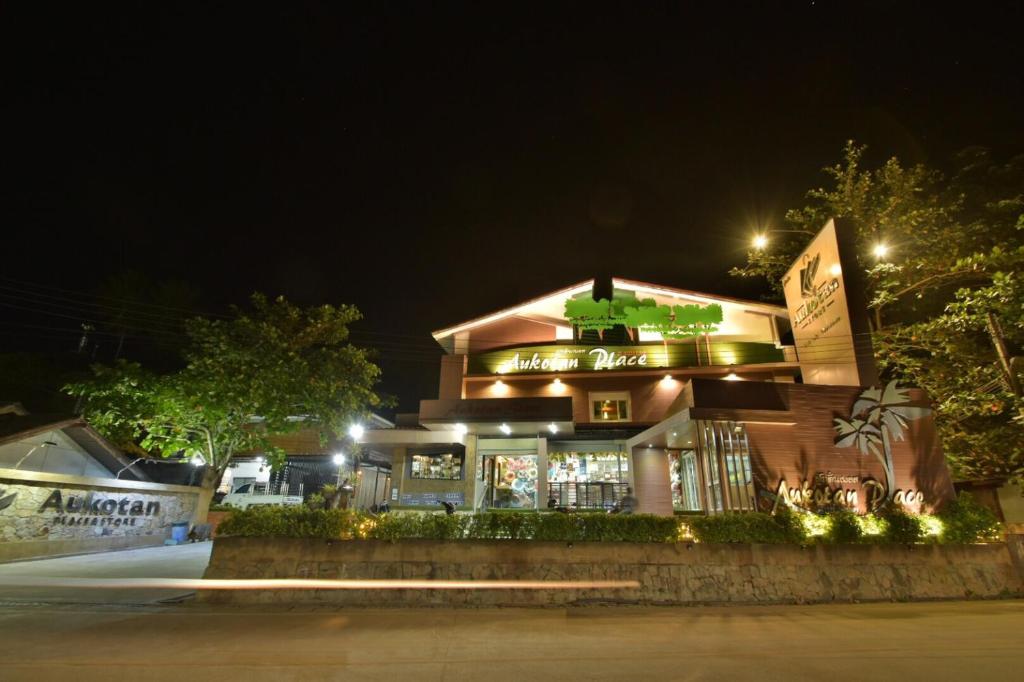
179	561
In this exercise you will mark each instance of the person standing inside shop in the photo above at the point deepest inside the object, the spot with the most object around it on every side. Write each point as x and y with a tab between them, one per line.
627	503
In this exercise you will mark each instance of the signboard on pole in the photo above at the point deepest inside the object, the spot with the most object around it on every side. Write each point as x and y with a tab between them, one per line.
826	307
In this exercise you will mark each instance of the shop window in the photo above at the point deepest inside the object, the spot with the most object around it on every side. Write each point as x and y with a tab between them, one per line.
443	467
586	480
586	467
610	407
685	485
511	481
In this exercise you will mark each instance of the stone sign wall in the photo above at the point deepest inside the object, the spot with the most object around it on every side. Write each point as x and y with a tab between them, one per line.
48	514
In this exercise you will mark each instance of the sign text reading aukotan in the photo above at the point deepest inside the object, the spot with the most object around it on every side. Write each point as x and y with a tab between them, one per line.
597	359
95	510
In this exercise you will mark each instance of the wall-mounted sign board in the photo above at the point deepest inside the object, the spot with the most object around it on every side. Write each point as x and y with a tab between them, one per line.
432	499
573	358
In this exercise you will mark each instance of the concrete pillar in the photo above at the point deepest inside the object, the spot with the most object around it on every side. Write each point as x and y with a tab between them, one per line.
453	368
652	484
542	473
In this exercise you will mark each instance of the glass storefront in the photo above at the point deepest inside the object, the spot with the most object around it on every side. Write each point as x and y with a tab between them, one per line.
682	467
725	459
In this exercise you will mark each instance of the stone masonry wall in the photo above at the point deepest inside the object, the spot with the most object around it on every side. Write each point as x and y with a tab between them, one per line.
668	573
27	530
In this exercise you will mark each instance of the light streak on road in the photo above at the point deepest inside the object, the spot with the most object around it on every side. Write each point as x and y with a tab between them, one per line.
303	584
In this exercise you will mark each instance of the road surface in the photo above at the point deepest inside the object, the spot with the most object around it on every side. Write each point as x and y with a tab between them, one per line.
925	641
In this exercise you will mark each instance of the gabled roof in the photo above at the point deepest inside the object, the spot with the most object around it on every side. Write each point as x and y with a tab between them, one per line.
572	290
658	289
15	427
617	283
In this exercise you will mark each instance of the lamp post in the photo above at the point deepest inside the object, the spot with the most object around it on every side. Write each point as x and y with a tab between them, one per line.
760	240
339	460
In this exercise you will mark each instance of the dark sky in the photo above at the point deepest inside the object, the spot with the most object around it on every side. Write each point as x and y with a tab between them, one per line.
432	164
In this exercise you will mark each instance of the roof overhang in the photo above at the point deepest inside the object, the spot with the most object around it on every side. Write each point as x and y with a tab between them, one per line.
500	416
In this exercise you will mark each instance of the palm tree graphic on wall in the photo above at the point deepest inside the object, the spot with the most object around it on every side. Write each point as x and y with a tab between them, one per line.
878	419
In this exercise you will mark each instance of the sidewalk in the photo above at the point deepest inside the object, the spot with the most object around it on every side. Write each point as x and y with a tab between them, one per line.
179	561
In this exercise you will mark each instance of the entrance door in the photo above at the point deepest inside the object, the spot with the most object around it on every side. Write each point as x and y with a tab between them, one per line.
511	481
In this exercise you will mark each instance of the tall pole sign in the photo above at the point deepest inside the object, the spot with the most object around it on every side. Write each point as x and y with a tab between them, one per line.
825	299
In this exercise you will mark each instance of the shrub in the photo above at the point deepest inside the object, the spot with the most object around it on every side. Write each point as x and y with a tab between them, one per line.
302	522
844	529
965	521
291	522
901	527
755	527
316	501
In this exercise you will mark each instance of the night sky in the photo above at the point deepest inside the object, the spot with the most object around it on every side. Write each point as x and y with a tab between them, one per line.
431	165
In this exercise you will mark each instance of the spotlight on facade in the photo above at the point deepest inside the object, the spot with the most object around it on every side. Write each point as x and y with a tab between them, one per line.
557	386
500	387
461	429
760	241
506	429
732	376
552	427
667	379
356	431
197	461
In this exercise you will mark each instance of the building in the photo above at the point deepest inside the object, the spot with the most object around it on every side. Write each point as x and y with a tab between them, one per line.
690	399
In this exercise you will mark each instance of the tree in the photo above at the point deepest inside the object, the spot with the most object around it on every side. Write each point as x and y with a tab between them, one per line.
944	294
263	372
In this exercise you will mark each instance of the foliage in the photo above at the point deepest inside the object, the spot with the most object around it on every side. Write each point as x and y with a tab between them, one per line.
316	501
844	528
901	527
965	521
335	523
755	527
291	522
947	299
245	379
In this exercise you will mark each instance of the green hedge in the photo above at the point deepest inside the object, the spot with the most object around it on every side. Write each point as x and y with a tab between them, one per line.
302	522
961	522
753	527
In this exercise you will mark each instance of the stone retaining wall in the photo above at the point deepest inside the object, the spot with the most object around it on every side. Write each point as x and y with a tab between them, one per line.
668	573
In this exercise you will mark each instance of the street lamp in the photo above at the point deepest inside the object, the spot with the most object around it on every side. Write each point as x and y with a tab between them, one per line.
880	250
356	431
339	461
760	240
